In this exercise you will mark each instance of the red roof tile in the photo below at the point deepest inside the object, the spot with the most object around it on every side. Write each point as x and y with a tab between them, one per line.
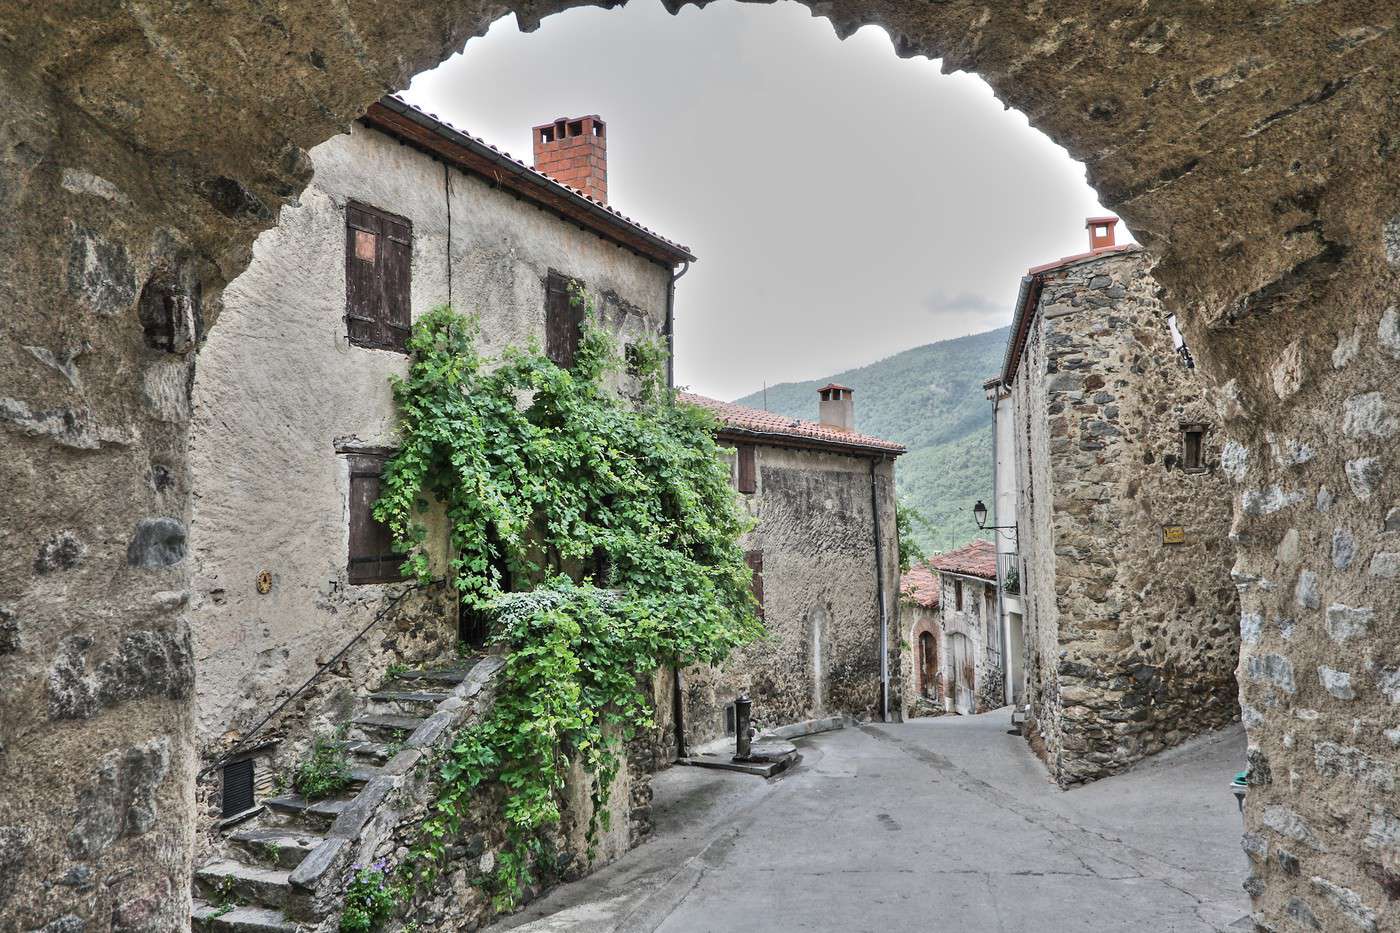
920	586
978	559
760	424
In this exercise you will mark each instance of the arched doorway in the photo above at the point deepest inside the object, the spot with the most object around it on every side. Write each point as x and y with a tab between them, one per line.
928	665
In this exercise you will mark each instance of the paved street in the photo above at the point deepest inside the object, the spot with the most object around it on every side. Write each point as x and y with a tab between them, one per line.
941	824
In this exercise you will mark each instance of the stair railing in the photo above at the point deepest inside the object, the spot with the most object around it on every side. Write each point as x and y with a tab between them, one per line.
243	742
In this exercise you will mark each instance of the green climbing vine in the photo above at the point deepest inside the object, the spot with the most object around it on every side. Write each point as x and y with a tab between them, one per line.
599	534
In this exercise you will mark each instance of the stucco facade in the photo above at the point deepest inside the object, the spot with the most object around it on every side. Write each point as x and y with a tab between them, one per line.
819	512
1130	614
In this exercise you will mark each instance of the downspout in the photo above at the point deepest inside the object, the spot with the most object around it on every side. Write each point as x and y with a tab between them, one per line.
670	325
880	598
996	544
677	688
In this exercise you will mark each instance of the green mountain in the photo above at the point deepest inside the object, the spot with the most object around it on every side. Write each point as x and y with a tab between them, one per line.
929	399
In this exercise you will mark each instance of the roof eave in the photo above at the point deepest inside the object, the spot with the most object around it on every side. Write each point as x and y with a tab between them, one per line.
779	439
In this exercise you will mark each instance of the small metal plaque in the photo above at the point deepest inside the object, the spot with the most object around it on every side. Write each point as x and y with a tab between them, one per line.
264	582
1173	534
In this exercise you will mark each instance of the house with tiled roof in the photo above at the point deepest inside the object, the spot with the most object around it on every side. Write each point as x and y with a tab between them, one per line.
1112	512
920	590
293	414
825	557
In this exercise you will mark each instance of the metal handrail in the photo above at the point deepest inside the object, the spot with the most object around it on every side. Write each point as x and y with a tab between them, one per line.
242	743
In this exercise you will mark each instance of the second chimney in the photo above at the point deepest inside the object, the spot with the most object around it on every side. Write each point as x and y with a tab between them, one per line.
575	153
1100	232
837	409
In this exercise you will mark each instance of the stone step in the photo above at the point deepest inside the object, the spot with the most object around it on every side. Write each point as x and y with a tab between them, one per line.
400	727
319	814
212	918
226	881
278	846
429	697
370	751
452	676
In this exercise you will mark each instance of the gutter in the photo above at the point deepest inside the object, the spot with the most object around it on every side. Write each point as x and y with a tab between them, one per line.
880	598
996	544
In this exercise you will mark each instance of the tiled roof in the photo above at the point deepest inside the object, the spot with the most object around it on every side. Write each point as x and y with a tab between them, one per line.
541	187
978	559
760	424
920	586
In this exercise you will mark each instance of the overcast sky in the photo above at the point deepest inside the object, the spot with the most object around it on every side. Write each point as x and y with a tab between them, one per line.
844	204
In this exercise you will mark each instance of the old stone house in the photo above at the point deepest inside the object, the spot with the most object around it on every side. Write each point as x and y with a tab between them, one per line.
919	590
1122	515
826	569
293	419
972	659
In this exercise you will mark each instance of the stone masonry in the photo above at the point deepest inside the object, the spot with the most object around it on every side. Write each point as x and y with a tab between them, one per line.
1130	634
1250	145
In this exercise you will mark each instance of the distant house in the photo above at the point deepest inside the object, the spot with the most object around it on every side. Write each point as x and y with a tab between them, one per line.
825	558
972	656
1122	515
919	590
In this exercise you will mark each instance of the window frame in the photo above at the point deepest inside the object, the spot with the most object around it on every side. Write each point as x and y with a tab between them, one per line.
957	594
558	300
365	465
1200	430
385	325
746	469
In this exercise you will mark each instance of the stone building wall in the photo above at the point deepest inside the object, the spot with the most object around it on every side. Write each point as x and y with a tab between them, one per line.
1134	640
281	394
914	621
975	621
822	651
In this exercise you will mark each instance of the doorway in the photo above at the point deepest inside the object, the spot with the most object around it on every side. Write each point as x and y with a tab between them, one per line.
962	674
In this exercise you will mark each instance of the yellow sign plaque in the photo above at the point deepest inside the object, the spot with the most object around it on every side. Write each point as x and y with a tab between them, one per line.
1173	534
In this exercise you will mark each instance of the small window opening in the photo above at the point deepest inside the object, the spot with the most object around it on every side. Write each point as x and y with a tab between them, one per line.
957	594
576	128
747	469
1192	445
238	787
547	134
597	128
729	719
1100	231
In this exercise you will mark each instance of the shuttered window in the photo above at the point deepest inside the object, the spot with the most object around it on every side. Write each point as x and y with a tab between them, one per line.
238	794
755	561
563	320
378	287
372	557
748	469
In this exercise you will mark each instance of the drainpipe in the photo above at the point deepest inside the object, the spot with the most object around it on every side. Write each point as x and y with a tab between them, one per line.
880	597
996	542
670	326
677	688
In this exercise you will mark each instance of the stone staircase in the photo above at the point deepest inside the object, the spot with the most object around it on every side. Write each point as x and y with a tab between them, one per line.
275	862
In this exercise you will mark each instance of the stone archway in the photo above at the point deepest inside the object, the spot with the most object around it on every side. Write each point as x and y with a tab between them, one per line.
1251	145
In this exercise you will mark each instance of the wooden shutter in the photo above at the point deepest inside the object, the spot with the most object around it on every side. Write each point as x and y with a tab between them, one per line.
755	561
563	320
372	558
748	470
238	796
378	278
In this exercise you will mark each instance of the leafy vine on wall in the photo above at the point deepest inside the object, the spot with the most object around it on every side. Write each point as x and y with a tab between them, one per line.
599	534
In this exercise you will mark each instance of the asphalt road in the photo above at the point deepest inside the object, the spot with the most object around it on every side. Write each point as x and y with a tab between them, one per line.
944	824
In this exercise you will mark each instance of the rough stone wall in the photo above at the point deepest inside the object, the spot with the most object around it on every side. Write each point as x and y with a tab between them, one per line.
822	651
280	392
1251	146
1138	652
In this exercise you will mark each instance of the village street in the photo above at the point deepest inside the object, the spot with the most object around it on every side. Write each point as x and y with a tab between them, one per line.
944	824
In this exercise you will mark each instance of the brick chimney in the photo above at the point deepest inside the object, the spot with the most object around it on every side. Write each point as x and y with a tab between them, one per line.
1100	232
575	152
838	409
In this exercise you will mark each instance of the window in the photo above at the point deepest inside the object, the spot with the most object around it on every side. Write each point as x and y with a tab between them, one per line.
378	264
1192	447
957	595
755	561
372	557
238	788
748	469
563	319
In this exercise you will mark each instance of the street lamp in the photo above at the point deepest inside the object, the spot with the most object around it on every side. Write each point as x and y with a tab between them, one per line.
979	514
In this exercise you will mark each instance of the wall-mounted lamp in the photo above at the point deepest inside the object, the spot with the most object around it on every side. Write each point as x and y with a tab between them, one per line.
979	513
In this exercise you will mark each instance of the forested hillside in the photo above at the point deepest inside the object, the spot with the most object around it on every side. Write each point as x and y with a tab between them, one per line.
931	400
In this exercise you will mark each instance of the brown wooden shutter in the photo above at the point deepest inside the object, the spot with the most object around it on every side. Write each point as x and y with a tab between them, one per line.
755	561
748	469
378	277
372	557
563	321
